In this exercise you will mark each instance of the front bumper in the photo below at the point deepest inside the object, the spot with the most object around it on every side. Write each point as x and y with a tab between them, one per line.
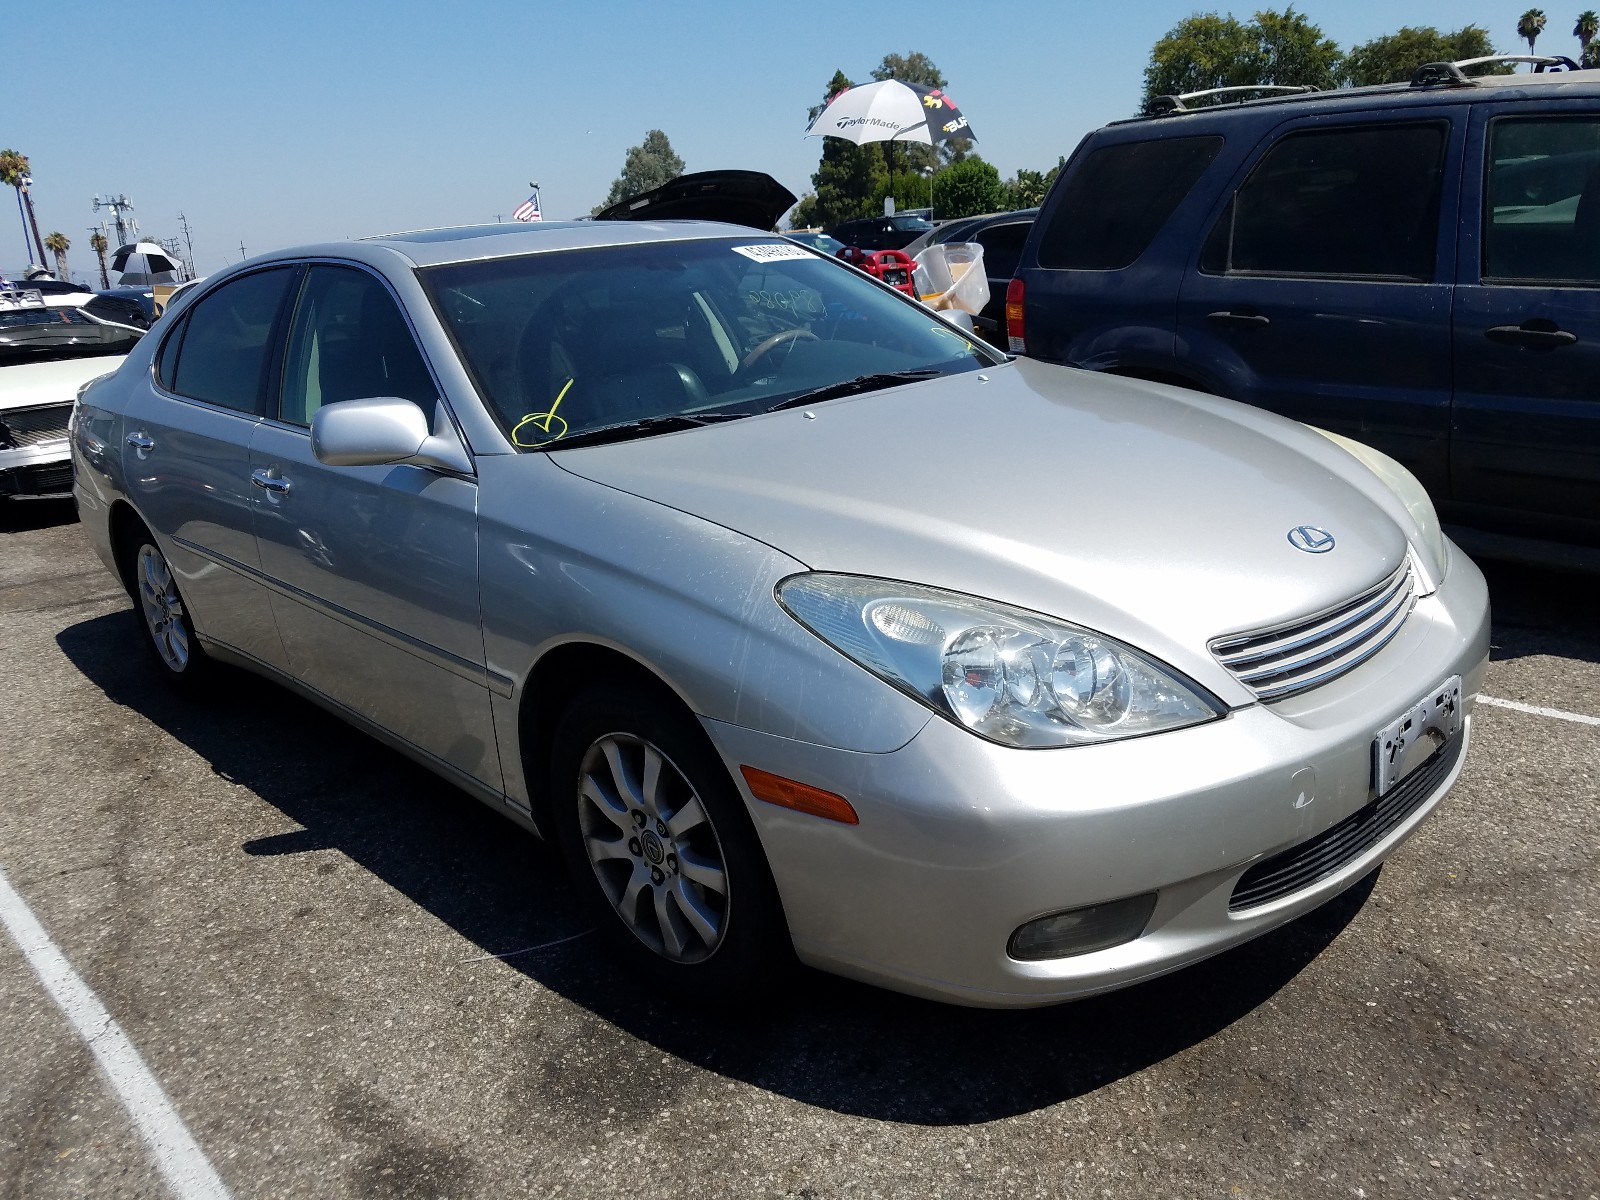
961	841
43	469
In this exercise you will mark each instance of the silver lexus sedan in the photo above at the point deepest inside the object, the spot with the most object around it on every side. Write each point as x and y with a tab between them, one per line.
809	627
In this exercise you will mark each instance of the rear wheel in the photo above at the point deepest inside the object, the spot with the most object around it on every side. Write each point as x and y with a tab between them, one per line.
662	850
168	632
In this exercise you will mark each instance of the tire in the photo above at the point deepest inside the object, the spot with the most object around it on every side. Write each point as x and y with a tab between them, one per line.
163	618
672	874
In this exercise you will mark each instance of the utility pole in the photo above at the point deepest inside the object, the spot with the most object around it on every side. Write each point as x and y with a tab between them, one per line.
188	241
119	204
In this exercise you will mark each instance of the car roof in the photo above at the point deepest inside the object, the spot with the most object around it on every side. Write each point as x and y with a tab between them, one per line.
1549	85
468	243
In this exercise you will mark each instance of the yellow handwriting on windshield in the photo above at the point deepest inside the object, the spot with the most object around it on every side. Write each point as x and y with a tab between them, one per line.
547	426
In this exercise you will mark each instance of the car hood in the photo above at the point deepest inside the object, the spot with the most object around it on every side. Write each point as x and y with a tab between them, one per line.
736	197
25	384
1156	515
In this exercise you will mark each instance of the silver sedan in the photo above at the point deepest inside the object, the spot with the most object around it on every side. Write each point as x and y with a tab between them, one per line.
811	628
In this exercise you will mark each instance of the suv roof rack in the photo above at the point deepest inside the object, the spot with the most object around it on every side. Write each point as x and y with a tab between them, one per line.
1161	105
1450	74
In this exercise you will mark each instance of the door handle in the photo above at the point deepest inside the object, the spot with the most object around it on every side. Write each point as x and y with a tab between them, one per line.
141	441
273	483
1236	318
1530	335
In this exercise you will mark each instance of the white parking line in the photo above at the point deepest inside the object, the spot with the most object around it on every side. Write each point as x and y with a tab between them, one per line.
1535	710
179	1158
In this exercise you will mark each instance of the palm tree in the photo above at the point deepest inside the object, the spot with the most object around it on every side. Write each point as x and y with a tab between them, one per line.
1530	26
58	244
1586	30
14	173
97	243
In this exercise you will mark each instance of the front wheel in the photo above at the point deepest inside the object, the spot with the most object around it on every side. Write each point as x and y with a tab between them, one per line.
662	850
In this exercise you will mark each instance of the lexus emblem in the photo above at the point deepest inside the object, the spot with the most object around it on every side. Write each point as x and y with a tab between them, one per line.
1311	539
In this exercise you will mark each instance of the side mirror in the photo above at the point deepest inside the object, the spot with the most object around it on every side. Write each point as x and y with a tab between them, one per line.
381	430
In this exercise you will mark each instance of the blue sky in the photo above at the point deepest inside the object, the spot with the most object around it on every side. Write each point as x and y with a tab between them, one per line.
293	121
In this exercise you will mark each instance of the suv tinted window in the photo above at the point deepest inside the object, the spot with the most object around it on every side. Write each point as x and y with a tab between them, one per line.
1002	247
1361	202
348	342
1542	212
226	339
1112	206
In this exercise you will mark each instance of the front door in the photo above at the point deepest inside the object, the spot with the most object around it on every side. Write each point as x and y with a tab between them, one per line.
1526	449
186	456
1322	290
375	569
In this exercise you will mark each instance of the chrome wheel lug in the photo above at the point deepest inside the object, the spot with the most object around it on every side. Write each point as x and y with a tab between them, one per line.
656	877
672	863
661	828
634	847
639	819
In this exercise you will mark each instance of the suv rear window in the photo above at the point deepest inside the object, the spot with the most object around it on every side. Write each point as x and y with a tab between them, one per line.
1358	202
1542	216
1112	207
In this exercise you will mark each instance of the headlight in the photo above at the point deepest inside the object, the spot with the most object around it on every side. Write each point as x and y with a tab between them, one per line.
1410	493
1012	676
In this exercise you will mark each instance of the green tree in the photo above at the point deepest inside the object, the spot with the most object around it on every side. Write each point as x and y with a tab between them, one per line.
849	176
1586	31
804	214
1530	25
14	172
97	243
966	188
646	166
1027	189
1209	51
1395	57
58	244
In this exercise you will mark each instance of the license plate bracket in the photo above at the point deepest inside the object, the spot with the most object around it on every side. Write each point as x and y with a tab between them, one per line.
1416	735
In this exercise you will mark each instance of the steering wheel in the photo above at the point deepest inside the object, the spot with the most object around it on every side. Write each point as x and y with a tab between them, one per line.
768	345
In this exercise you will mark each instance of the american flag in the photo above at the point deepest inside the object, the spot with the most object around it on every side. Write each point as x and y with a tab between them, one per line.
528	210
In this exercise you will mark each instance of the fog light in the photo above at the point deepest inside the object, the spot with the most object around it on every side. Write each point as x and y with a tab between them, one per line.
1083	930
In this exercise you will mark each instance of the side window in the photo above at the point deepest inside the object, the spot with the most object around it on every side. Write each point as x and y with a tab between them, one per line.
348	342
226	342
1541	219
1359	202
1113	204
1002	247
167	359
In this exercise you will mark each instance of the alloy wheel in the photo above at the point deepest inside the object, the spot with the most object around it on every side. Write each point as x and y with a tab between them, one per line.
163	608
653	847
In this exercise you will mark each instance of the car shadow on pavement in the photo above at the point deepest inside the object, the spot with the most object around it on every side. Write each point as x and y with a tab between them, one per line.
1538	611
832	1043
21	516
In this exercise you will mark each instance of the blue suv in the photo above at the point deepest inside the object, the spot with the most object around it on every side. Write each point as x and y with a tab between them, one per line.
1414	266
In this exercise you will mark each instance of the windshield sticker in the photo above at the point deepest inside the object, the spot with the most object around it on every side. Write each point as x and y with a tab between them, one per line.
774	252
544	427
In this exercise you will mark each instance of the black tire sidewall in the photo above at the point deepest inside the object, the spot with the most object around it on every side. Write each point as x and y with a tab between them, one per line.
755	952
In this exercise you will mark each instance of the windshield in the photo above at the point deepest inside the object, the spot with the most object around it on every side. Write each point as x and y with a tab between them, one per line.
46	334
566	344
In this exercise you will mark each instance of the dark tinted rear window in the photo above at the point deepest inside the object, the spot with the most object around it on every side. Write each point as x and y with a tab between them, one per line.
223	356
1359	202
1002	247
1112	206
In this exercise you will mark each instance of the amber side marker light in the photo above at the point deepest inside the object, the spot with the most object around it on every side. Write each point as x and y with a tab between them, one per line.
802	797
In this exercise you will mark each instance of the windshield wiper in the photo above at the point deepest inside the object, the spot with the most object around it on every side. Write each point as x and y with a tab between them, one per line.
622	431
850	387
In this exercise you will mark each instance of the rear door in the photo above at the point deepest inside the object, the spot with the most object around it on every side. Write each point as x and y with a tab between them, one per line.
187	457
1526	447
374	569
1322	288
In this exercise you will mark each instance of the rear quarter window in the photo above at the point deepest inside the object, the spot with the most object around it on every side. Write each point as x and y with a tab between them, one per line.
1113	205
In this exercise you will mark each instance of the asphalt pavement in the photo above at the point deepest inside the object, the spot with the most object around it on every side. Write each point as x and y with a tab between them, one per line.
351	980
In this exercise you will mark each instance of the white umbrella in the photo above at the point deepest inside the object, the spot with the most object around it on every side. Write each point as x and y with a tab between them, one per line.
146	263
891	111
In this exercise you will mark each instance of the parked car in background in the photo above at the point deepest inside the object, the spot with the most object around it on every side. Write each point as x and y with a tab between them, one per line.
132	305
671	541
47	352
816	239
1415	266
880	233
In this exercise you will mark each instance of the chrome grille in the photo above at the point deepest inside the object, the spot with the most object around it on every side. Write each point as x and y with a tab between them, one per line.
31	426
1314	650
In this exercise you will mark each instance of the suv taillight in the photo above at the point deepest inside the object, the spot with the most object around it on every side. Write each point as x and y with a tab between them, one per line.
1016	339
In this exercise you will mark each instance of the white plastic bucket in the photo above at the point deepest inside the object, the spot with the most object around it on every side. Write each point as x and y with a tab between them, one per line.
951	275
